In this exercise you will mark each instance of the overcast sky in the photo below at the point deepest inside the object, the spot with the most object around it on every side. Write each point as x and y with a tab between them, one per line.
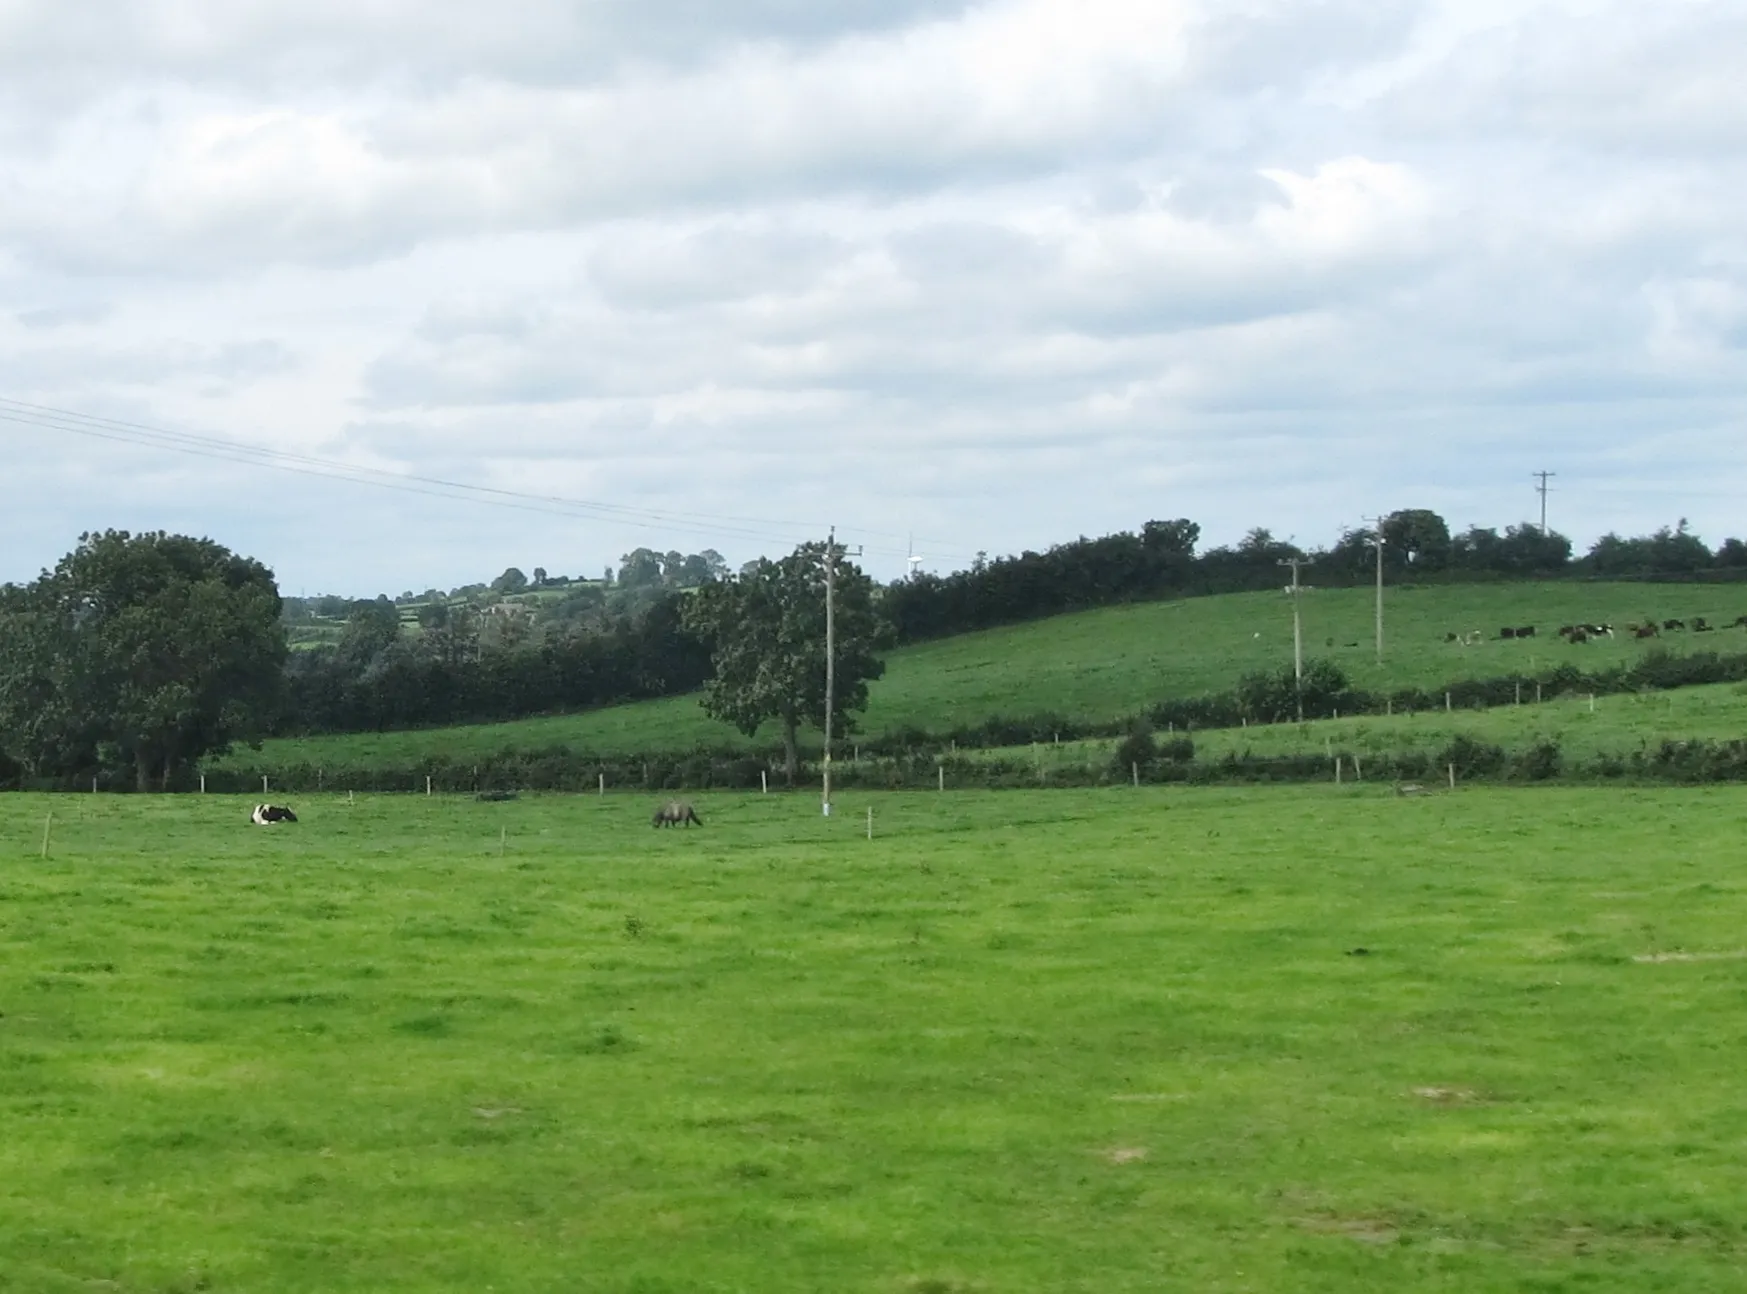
989	274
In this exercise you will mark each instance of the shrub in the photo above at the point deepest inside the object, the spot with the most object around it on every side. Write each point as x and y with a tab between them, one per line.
1137	749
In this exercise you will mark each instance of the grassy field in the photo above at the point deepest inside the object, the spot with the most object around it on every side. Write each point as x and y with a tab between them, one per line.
1105	664
1063	1041
1612	725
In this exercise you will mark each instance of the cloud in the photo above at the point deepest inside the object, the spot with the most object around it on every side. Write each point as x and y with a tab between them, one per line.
997	272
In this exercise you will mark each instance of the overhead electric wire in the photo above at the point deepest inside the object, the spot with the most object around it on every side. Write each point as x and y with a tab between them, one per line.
222	449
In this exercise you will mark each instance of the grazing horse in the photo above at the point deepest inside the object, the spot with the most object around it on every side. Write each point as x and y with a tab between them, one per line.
267	814
675	813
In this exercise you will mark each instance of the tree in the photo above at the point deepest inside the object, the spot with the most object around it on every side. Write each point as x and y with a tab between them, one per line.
511	581
1416	539
146	652
766	634
371	629
640	568
1173	538
539	577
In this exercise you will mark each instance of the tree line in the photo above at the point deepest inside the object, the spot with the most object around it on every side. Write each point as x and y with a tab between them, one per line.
1162	560
137	656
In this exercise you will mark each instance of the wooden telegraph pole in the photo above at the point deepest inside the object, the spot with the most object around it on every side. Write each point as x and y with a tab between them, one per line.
1377	543
1293	590
831	554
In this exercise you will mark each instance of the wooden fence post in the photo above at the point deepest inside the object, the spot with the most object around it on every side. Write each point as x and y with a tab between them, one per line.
48	824
1452	777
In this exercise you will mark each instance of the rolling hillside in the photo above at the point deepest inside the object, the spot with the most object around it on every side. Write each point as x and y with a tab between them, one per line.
1104	664
1612	725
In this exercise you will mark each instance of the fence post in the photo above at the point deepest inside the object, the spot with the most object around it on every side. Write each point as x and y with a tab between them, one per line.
427	784
1135	769
1537	691
202	784
1446	703
318	779
941	770
1337	770
1389	705
1452	777
48	824
870	822
603	785
263	784
1358	772
764	780
1592	702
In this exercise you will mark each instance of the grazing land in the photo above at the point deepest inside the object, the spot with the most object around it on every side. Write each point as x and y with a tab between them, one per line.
1101	1041
1105	664
1612	725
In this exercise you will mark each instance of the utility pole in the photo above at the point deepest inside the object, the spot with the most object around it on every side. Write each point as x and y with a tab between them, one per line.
831	553
1293	590
1541	489
1377	542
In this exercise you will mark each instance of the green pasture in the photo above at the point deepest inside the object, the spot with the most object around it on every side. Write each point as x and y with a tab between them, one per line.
1104	664
1099	1041
1615	725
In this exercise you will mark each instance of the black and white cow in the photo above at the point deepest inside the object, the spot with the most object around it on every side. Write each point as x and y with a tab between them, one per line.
267	814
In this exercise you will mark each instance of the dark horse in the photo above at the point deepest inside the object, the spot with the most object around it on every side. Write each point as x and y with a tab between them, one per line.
675	813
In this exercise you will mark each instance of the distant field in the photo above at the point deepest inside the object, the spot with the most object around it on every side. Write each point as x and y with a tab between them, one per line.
1616	725
1114	1042
1112	662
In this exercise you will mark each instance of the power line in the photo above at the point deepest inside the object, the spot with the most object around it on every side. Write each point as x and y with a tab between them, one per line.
213	448
1541	489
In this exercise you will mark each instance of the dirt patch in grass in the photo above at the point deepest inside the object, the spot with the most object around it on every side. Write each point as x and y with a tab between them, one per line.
1124	1154
1439	1095
1731	956
1364	1230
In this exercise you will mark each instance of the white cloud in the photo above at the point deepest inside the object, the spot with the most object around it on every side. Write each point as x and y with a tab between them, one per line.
998	273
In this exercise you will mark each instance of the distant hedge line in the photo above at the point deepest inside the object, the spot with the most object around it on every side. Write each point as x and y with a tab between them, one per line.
1470	760
912	757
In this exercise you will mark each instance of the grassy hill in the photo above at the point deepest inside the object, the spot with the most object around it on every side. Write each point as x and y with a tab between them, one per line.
1611	725
1104	664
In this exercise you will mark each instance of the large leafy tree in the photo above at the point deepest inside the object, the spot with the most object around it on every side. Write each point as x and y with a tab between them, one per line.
142	652
766	631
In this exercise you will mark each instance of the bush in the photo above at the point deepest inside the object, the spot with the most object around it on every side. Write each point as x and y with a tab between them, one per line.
1137	750
1539	763
1177	750
1472	758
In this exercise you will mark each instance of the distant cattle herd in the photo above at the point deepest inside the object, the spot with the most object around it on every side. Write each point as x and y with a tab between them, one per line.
1583	632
